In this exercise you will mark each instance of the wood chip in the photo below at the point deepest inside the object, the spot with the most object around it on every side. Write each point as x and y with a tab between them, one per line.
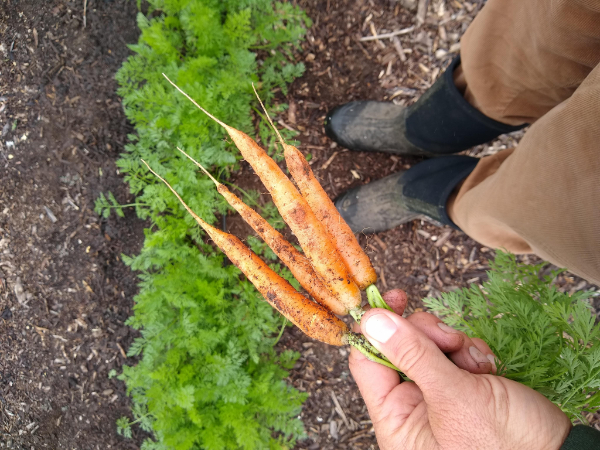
422	11
374	33
399	49
121	350
455	48
424	68
341	412
424	233
329	161
286	126
382	244
382	277
443	238
50	214
388	35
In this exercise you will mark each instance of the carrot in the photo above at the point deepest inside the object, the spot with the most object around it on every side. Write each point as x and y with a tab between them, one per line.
292	258
358	263
312	318
356	260
311	234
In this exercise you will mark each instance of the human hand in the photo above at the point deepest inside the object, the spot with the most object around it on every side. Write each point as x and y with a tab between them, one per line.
446	407
471	354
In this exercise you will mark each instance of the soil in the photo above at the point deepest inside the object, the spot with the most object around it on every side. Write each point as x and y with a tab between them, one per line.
64	291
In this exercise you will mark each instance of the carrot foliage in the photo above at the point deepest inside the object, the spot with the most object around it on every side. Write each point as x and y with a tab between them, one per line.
208	376
543	338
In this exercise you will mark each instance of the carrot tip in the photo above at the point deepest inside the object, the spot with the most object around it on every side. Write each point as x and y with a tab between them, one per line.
227	127
201	222
201	167
268	117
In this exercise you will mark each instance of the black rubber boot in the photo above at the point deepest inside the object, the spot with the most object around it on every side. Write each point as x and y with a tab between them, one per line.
420	192
440	122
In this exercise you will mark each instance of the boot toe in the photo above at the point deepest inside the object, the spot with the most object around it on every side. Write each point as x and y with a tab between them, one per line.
338	123
376	206
370	126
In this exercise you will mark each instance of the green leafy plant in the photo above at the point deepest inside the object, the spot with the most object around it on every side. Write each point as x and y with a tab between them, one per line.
208	376
543	338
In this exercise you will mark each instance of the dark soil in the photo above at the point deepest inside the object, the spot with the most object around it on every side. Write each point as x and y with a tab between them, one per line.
64	292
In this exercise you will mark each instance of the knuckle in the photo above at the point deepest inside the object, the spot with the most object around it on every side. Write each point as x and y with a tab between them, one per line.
409	352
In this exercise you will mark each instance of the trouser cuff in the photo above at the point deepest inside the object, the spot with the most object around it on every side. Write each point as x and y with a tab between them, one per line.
428	185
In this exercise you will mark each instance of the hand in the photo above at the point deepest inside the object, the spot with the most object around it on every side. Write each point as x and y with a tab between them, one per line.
447	407
471	354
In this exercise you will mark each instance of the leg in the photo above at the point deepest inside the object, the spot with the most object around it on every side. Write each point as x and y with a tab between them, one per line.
543	197
522	58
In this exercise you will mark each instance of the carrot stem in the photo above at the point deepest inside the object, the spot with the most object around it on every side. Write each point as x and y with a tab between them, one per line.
375	299
361	343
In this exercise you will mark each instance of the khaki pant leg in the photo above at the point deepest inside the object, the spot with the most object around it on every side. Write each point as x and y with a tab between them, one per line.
543	196
521	58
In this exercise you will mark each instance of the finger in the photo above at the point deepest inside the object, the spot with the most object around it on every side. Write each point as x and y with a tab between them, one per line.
399	405
397	300
487	351
447	339
409	349
374	381
470	358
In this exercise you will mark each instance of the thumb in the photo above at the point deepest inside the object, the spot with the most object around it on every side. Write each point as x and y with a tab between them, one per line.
409	349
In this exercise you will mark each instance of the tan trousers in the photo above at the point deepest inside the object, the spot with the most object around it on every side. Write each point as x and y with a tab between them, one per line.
538	62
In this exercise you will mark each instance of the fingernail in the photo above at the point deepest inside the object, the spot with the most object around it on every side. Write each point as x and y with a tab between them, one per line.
380	327
479	357
493	361
446	328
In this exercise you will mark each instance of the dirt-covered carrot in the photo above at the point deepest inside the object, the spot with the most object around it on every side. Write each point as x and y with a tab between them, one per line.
295	211
354	257
292	258
312	318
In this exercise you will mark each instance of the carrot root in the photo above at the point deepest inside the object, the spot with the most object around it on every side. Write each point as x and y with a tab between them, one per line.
313	319
356	260
292	258
296	212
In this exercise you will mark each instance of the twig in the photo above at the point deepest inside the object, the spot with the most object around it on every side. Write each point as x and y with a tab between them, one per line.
374	33
362	48
84	13
422	11
388	35
326	165
286	126
341	412
399	48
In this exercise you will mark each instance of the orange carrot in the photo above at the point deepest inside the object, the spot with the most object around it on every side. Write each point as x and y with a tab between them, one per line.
312	318
356	260
292	258
312	235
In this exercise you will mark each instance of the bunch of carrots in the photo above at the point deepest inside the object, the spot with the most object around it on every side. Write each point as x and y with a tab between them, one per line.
333	269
